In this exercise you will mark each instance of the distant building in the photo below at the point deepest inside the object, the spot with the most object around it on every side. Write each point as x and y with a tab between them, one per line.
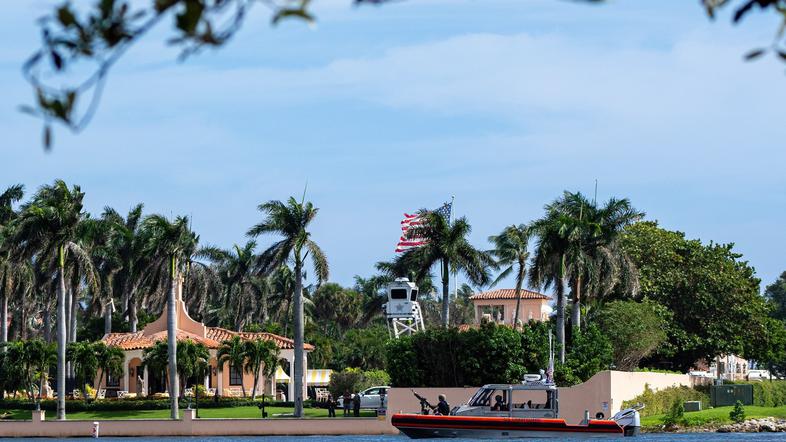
138	380
726	367
500	306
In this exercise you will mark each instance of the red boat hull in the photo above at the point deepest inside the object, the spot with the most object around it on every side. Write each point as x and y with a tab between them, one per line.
419	426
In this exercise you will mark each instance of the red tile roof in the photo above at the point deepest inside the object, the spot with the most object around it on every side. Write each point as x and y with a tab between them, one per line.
508	294
215	335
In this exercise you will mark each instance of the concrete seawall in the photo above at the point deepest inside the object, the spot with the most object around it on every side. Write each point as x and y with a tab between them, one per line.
604	392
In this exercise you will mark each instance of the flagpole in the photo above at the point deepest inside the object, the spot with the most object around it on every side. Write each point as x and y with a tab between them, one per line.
455	274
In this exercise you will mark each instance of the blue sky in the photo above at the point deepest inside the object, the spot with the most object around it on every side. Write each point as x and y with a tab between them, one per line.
383	110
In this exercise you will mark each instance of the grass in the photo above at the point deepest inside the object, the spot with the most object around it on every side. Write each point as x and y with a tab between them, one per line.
214	413
715	416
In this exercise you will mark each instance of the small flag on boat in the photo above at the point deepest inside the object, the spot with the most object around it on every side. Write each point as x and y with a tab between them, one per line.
413	220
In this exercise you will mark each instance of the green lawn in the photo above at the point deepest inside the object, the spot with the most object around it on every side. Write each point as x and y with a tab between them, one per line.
228	412
718	415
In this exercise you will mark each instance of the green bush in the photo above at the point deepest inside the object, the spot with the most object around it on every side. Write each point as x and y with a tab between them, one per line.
449	358
354	380
675	415
769	393
662	401
738	413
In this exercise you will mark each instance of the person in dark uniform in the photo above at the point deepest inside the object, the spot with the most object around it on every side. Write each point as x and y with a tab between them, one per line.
356	405
499	404
443	407
331	404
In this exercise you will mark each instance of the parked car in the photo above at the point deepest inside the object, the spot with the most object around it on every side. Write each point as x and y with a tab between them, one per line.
370	398
758	375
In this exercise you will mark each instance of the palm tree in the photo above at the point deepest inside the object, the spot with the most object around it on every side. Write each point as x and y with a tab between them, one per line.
127	261
48	227
242	288
40	356
110	362
192	359
446	245
168	243
260	354
233	352
84	358
281	285
291	220
599	264
8	267
510	251
156	359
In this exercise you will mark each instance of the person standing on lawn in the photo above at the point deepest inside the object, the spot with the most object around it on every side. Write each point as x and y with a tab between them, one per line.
331	405
356	405
347	402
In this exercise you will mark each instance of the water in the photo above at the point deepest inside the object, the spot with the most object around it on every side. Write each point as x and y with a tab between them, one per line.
660	437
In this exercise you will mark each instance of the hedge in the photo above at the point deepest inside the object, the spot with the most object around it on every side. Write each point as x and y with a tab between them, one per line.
661	401
768	393
138	404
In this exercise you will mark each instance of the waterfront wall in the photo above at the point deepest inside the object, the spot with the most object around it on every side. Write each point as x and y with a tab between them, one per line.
604	392
189	426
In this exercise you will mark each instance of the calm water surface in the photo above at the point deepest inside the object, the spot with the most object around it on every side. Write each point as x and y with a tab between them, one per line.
693	437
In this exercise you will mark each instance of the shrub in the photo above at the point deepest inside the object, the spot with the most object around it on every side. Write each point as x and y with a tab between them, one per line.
450	358
636	329
676	414
354	380
661	401
769	393
738	413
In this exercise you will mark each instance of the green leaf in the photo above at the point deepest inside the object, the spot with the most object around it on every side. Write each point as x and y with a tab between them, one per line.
754	54
65	16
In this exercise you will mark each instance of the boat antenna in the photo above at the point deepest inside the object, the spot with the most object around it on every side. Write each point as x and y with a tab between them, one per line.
550	371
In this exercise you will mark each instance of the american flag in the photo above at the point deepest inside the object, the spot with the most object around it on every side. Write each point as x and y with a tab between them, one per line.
412	220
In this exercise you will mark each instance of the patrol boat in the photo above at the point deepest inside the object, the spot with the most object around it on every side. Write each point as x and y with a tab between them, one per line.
513	411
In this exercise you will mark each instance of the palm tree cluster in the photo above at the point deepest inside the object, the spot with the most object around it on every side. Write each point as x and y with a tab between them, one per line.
574	246
94	266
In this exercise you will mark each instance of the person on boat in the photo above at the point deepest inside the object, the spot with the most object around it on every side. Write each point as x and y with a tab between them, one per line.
443	407
499	404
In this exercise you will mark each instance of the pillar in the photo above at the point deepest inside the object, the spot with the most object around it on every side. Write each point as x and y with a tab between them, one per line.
291	386
125	373
219	379
145	383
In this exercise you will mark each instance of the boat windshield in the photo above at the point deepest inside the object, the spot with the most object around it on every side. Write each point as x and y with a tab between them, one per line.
481	398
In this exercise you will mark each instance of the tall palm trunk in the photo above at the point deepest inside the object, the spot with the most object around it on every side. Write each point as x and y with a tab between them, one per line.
107	318
47	322
575	318
298	372
171	328
61	335
561	311
445	293
3	316
519	281
132	318
72	318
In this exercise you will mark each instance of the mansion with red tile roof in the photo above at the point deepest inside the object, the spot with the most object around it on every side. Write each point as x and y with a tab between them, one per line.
228	381
500	306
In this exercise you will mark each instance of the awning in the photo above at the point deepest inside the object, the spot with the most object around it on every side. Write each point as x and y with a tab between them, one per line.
319	377
281	376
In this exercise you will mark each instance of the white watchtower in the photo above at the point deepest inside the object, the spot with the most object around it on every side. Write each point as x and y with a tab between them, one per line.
402	309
